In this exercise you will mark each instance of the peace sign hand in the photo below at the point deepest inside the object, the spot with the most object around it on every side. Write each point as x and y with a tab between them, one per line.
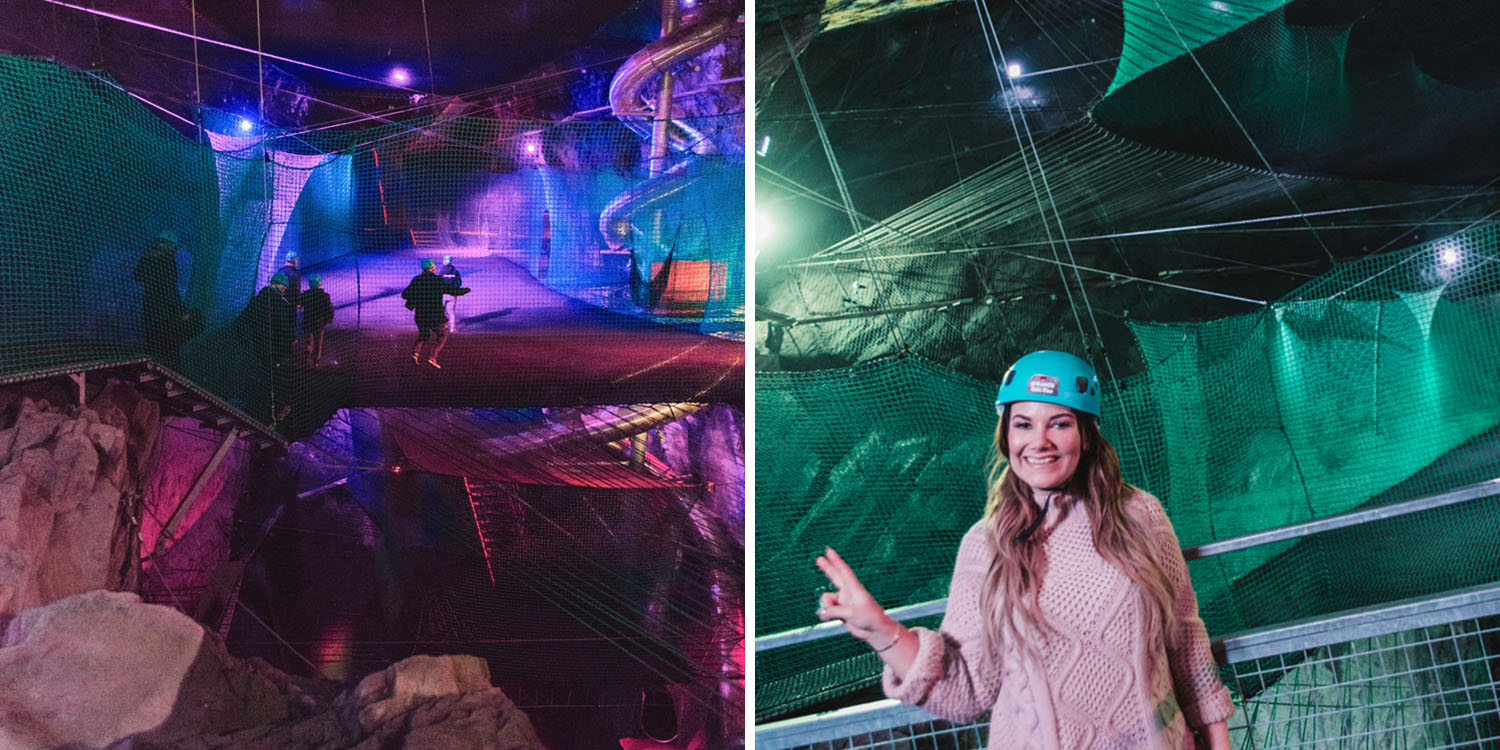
851	603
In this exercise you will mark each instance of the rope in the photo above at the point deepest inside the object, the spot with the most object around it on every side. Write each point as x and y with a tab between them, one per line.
838	173
1243	131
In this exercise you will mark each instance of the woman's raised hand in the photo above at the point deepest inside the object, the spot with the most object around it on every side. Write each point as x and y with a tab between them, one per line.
851	603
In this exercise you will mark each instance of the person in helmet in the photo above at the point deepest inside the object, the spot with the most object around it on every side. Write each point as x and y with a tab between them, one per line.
268	327
1070	616
166	321
450	274
424	296
317	313
293	275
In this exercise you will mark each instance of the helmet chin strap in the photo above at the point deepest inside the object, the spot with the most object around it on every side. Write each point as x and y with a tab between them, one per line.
1029	530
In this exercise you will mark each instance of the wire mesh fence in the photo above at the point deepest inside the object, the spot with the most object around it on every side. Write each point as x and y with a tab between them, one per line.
1416	674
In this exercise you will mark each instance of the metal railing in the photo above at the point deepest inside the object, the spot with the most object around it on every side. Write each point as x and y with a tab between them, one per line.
1417	673
1420	673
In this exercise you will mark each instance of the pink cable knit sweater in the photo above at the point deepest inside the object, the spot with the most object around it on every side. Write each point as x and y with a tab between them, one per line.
1095	681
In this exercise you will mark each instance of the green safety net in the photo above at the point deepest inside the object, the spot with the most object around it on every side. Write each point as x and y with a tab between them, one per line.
1375	382
123	238
1159	31
1315	88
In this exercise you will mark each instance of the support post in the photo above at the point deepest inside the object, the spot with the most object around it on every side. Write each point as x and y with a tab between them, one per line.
192	493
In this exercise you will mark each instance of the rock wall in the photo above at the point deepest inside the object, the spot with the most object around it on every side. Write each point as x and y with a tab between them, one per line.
86	489
63	470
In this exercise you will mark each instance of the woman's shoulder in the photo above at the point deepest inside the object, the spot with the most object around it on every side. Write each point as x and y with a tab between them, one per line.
1144	505
976	541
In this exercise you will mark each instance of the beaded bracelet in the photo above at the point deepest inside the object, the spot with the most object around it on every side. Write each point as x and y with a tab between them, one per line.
900	633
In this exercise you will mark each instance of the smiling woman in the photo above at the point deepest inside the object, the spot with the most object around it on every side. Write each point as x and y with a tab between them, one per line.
1070	616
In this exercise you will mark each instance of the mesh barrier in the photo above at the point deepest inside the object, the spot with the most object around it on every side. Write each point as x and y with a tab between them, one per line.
1426	687
1158	31
1375	382
1312	88
123	237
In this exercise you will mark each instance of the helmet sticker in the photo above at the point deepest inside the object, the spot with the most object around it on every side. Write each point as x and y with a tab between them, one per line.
1043	384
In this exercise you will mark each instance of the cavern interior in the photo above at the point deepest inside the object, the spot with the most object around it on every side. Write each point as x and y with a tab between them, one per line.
373	374
1270	226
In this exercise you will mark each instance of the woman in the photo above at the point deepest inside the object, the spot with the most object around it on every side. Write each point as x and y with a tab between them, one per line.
1070	615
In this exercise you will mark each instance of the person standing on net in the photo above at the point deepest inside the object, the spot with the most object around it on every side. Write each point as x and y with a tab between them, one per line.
544	254
293	279
166	323
424	296
450	274
1070	616
317	313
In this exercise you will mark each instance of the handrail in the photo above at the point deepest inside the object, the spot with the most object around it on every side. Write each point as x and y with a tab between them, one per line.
1453	606
1480	490
262	431
1344	520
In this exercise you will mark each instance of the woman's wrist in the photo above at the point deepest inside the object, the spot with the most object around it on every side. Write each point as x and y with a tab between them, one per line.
892	640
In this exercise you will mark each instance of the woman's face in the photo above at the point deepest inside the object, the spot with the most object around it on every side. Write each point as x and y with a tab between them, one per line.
1045	443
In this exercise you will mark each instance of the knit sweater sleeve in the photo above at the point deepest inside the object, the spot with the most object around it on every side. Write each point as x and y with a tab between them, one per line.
1195	675
950	676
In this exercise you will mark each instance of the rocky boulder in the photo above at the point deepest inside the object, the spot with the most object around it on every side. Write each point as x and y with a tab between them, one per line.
103	670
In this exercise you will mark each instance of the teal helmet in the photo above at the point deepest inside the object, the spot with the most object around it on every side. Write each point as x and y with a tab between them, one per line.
279	278
314	280
426	263
1051	377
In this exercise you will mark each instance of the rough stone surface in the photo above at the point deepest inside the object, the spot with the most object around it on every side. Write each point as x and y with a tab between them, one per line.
60	484
88	670
420	703
105	670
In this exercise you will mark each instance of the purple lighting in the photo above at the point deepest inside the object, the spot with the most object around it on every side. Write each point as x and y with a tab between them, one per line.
245	125
399	76
531	148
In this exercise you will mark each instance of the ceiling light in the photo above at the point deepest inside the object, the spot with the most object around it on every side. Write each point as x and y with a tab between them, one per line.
765	145
246	125
1013	70
1450	256
399	76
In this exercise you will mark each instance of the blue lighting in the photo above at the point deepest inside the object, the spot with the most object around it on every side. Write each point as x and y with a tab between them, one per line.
246	125
399	76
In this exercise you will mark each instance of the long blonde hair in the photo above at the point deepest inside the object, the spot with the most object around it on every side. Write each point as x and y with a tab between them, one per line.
1009	600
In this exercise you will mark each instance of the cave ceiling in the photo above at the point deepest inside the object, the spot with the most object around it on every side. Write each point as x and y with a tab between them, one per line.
1298	139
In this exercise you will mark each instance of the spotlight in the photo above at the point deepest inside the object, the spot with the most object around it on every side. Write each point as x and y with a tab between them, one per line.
1450	256
765	229
245	125
531	148
399	76
1013	70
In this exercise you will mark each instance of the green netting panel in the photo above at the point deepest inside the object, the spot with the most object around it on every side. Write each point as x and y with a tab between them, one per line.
1158	31
1327	89
1376	382
558	230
